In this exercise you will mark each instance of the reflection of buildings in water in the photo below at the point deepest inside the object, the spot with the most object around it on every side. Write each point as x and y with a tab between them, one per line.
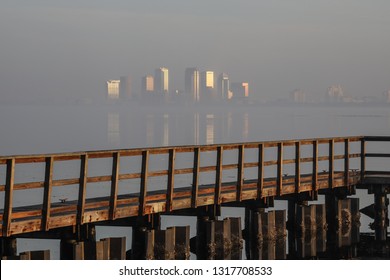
227	126
210	129
149	129
388	121
166	130
196	129
245	127
113	129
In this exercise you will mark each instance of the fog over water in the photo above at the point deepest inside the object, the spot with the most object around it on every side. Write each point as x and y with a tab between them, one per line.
66	50
56	56
52	129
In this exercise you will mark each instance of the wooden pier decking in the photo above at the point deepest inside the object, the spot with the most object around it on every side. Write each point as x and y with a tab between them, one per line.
348	152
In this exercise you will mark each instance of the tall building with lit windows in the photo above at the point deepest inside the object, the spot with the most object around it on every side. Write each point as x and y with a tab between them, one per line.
224	86
161	80
207	85
240	90
147	85
191	83
112	89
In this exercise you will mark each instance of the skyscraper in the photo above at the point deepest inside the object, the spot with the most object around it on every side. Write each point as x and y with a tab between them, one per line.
224	86
161	80
147	84
240	90
298	96
335	94
207	85
191	83
112	89
125	87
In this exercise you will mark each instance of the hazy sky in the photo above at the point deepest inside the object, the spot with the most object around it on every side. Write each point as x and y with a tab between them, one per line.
69	48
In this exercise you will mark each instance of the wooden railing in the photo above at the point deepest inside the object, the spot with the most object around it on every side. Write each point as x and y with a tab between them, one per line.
143	201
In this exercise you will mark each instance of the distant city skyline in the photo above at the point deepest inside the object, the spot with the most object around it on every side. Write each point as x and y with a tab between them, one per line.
203	86
64	50
200	86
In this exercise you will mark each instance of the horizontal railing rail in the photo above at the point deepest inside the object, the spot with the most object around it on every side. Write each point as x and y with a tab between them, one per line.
279	155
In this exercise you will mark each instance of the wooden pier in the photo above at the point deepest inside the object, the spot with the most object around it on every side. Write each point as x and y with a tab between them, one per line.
133	187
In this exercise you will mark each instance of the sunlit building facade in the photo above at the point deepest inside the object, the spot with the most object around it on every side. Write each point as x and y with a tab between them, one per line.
224	86
161	80
207	85
240	90
112	89
191	83
147	84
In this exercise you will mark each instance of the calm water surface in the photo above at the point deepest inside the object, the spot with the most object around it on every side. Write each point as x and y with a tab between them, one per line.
53	129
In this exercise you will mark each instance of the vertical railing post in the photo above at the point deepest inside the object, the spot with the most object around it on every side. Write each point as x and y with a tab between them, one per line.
331	163
260	172
240	172
362	159
315	166
171	179
82	188
297	166
346	162
218	176
195	179
144	182
114	184
279	187
8	199
47	190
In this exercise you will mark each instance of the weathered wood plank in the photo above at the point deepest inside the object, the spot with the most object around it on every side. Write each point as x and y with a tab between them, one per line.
346	162
240	172
180	171
297	166
158	173
98	179
65	182
28	185
362	158
376	138
82	188
171	179
207	168
129	176
331	162
377	155
230	166
218	175
47	193
280	170
8	200
270	162
144	182
195	179
315	165
260	171
114	184
251	164
30	159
